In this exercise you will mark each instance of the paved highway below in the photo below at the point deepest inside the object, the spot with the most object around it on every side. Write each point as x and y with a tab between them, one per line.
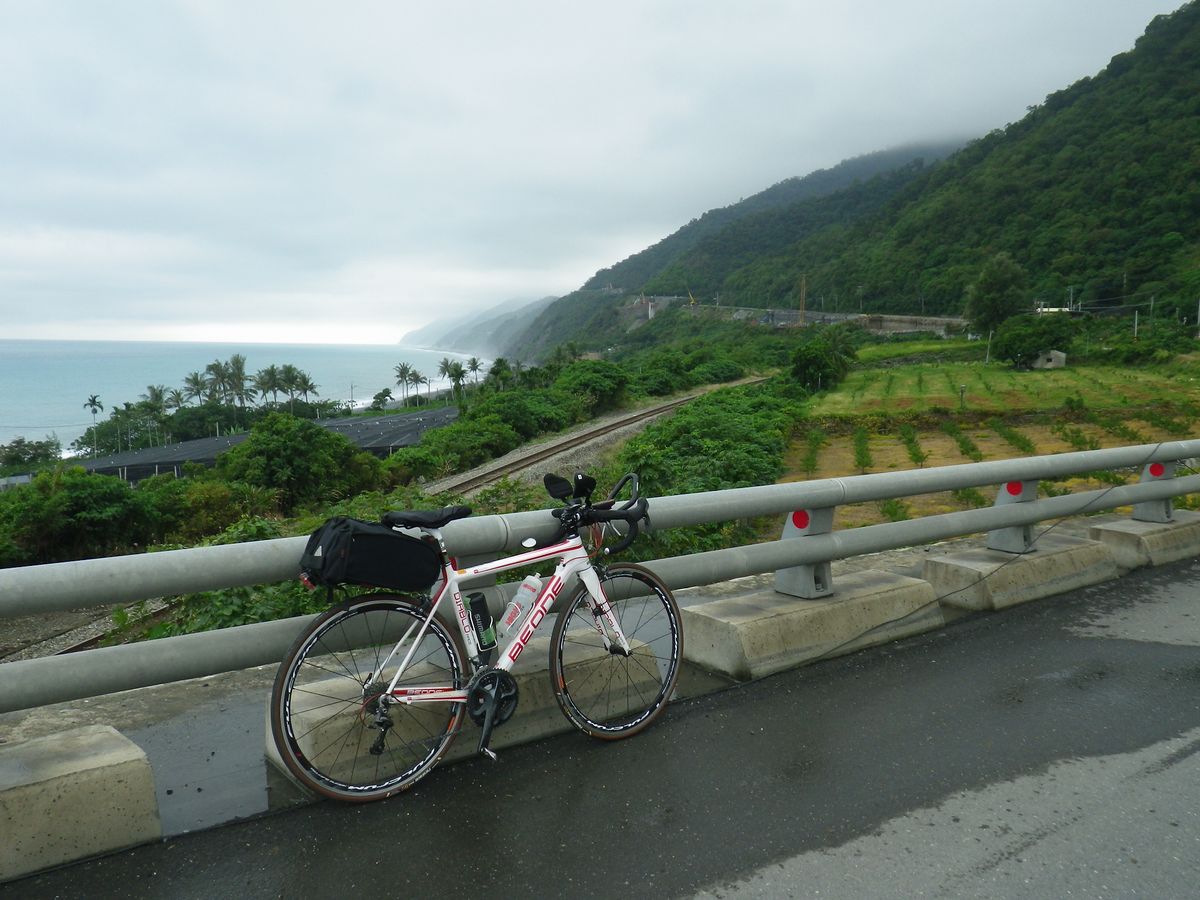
1046	751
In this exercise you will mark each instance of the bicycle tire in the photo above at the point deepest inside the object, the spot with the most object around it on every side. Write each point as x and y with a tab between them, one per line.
322	717
611	696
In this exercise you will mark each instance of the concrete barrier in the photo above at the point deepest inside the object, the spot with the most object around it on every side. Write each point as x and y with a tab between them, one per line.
981	579
73	795
1135	544
749	632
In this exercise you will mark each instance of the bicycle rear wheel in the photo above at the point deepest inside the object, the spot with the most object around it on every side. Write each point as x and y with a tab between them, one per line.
609	695
326	718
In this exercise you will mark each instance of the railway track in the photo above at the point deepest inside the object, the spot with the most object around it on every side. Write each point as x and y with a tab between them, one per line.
495	473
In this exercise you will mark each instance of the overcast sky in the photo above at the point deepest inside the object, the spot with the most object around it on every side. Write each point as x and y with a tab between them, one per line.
344	173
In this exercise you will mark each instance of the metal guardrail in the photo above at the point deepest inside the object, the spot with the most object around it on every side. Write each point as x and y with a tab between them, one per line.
40	589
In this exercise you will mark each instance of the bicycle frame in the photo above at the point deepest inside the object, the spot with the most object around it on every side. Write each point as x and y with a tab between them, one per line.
573	560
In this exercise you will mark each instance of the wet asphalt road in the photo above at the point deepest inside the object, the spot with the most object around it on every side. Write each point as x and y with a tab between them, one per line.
1048	750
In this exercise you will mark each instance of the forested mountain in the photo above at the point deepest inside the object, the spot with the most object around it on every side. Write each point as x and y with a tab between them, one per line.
776	217
1097	188
1096	191
632	273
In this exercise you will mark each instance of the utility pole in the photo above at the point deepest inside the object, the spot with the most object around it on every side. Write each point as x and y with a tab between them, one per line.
803	296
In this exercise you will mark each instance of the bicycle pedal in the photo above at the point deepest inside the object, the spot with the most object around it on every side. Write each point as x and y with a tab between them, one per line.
489	753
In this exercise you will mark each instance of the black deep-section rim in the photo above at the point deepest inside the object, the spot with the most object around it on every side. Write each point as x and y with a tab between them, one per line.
579	611
282	721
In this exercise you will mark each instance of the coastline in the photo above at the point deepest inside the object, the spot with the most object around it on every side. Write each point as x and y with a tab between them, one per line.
44	383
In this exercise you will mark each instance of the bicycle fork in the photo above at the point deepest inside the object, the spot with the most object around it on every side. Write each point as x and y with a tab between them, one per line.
602	615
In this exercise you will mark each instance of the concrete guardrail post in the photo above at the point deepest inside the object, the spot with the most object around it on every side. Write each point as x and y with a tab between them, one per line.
1156	510
1014	538
812	580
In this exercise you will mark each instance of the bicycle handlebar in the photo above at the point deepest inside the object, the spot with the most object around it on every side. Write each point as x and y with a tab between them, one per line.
632	512
632	516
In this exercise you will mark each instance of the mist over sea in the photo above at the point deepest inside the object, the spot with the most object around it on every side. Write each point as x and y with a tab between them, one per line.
43	384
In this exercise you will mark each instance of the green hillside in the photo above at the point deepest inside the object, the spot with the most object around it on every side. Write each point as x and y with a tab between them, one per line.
1095	194
634	272
772	219
1097	188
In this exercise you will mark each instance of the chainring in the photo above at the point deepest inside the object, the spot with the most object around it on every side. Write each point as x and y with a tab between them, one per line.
485	684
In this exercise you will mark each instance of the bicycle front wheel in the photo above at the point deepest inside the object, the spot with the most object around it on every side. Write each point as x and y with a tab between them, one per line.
332	728
605	693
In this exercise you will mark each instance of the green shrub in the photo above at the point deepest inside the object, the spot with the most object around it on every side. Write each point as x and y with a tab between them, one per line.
67	513
301	461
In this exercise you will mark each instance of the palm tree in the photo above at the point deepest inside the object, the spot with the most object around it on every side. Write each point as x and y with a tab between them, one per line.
193	386
154	402
403	371
155	397
289	383
500	371
93	403
457	374
176	399
473	366
444	367
416	379
305	385
216	380
424	379
239	382
267	381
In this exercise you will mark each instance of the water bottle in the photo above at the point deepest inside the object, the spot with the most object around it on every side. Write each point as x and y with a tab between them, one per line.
485	633
526	594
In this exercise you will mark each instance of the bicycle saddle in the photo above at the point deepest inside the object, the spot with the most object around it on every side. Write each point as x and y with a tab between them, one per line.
425	518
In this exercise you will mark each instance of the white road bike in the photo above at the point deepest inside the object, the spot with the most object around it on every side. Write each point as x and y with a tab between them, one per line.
372	694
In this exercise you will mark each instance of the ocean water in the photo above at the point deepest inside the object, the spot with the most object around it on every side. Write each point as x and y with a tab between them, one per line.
44	384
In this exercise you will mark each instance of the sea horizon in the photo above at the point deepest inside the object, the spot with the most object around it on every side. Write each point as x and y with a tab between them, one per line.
44	383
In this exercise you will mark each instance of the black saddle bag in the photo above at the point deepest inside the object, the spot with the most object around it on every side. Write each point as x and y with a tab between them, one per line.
350	551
